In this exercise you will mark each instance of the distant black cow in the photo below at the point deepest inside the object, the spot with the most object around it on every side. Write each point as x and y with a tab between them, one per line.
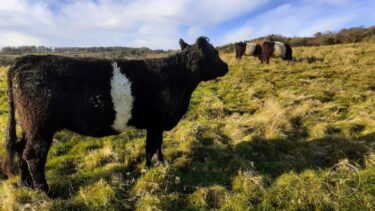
98	97
275	49
249	49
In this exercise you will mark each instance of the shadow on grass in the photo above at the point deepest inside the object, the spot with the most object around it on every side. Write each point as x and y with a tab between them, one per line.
309	59
217	163
74	180
213	160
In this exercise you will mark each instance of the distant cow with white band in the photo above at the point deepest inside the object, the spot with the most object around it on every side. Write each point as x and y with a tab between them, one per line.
275	49
248	49
98	97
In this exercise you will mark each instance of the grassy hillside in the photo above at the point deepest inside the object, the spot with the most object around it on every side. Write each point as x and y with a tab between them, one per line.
291	136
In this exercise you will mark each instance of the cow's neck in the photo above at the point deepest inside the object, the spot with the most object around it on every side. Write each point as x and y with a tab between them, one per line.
179	66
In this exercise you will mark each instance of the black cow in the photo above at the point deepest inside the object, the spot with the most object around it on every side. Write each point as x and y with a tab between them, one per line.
240	49
98	97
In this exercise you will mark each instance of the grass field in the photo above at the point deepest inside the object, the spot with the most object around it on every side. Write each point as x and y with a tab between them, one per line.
292	136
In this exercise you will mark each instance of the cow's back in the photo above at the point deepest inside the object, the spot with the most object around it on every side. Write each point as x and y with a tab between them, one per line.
68	93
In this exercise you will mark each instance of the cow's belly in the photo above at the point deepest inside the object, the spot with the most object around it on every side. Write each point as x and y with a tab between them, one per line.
89	129
92	116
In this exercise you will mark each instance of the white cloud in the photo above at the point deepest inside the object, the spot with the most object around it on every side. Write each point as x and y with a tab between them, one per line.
160	23
238	35
17	13
155	24
328	2
17	39
305	18
324	24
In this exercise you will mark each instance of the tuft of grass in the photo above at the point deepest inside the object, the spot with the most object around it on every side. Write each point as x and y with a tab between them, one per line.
300	191
13	198
99	157
207	198
97	196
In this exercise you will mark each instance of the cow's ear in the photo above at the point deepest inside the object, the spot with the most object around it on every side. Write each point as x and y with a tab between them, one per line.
202	43
183	44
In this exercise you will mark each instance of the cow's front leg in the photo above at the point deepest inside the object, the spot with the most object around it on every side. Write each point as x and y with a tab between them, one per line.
35	154
159	151
154	140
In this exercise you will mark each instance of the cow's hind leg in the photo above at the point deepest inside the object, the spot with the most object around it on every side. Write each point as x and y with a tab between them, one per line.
25	176
159	151
35	154
154	140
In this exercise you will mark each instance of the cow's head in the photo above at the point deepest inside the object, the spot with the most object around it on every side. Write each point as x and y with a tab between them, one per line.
210	66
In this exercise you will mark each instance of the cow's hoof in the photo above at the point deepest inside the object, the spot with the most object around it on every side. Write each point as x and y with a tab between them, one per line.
26	183
42	187
162	163
52	194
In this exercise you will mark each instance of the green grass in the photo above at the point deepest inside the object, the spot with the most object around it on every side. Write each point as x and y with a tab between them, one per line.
264	137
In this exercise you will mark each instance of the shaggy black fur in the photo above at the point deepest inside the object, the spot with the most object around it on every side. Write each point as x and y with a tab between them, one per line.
51	93
240	49
268	48
267	51
258	52
288	54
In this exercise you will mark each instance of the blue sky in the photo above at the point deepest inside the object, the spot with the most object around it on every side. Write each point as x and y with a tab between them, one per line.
158	24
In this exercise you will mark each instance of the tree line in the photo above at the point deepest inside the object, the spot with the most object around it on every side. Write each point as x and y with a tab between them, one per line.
346	35
126	51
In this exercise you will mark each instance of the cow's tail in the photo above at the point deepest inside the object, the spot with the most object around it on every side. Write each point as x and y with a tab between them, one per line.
11	137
